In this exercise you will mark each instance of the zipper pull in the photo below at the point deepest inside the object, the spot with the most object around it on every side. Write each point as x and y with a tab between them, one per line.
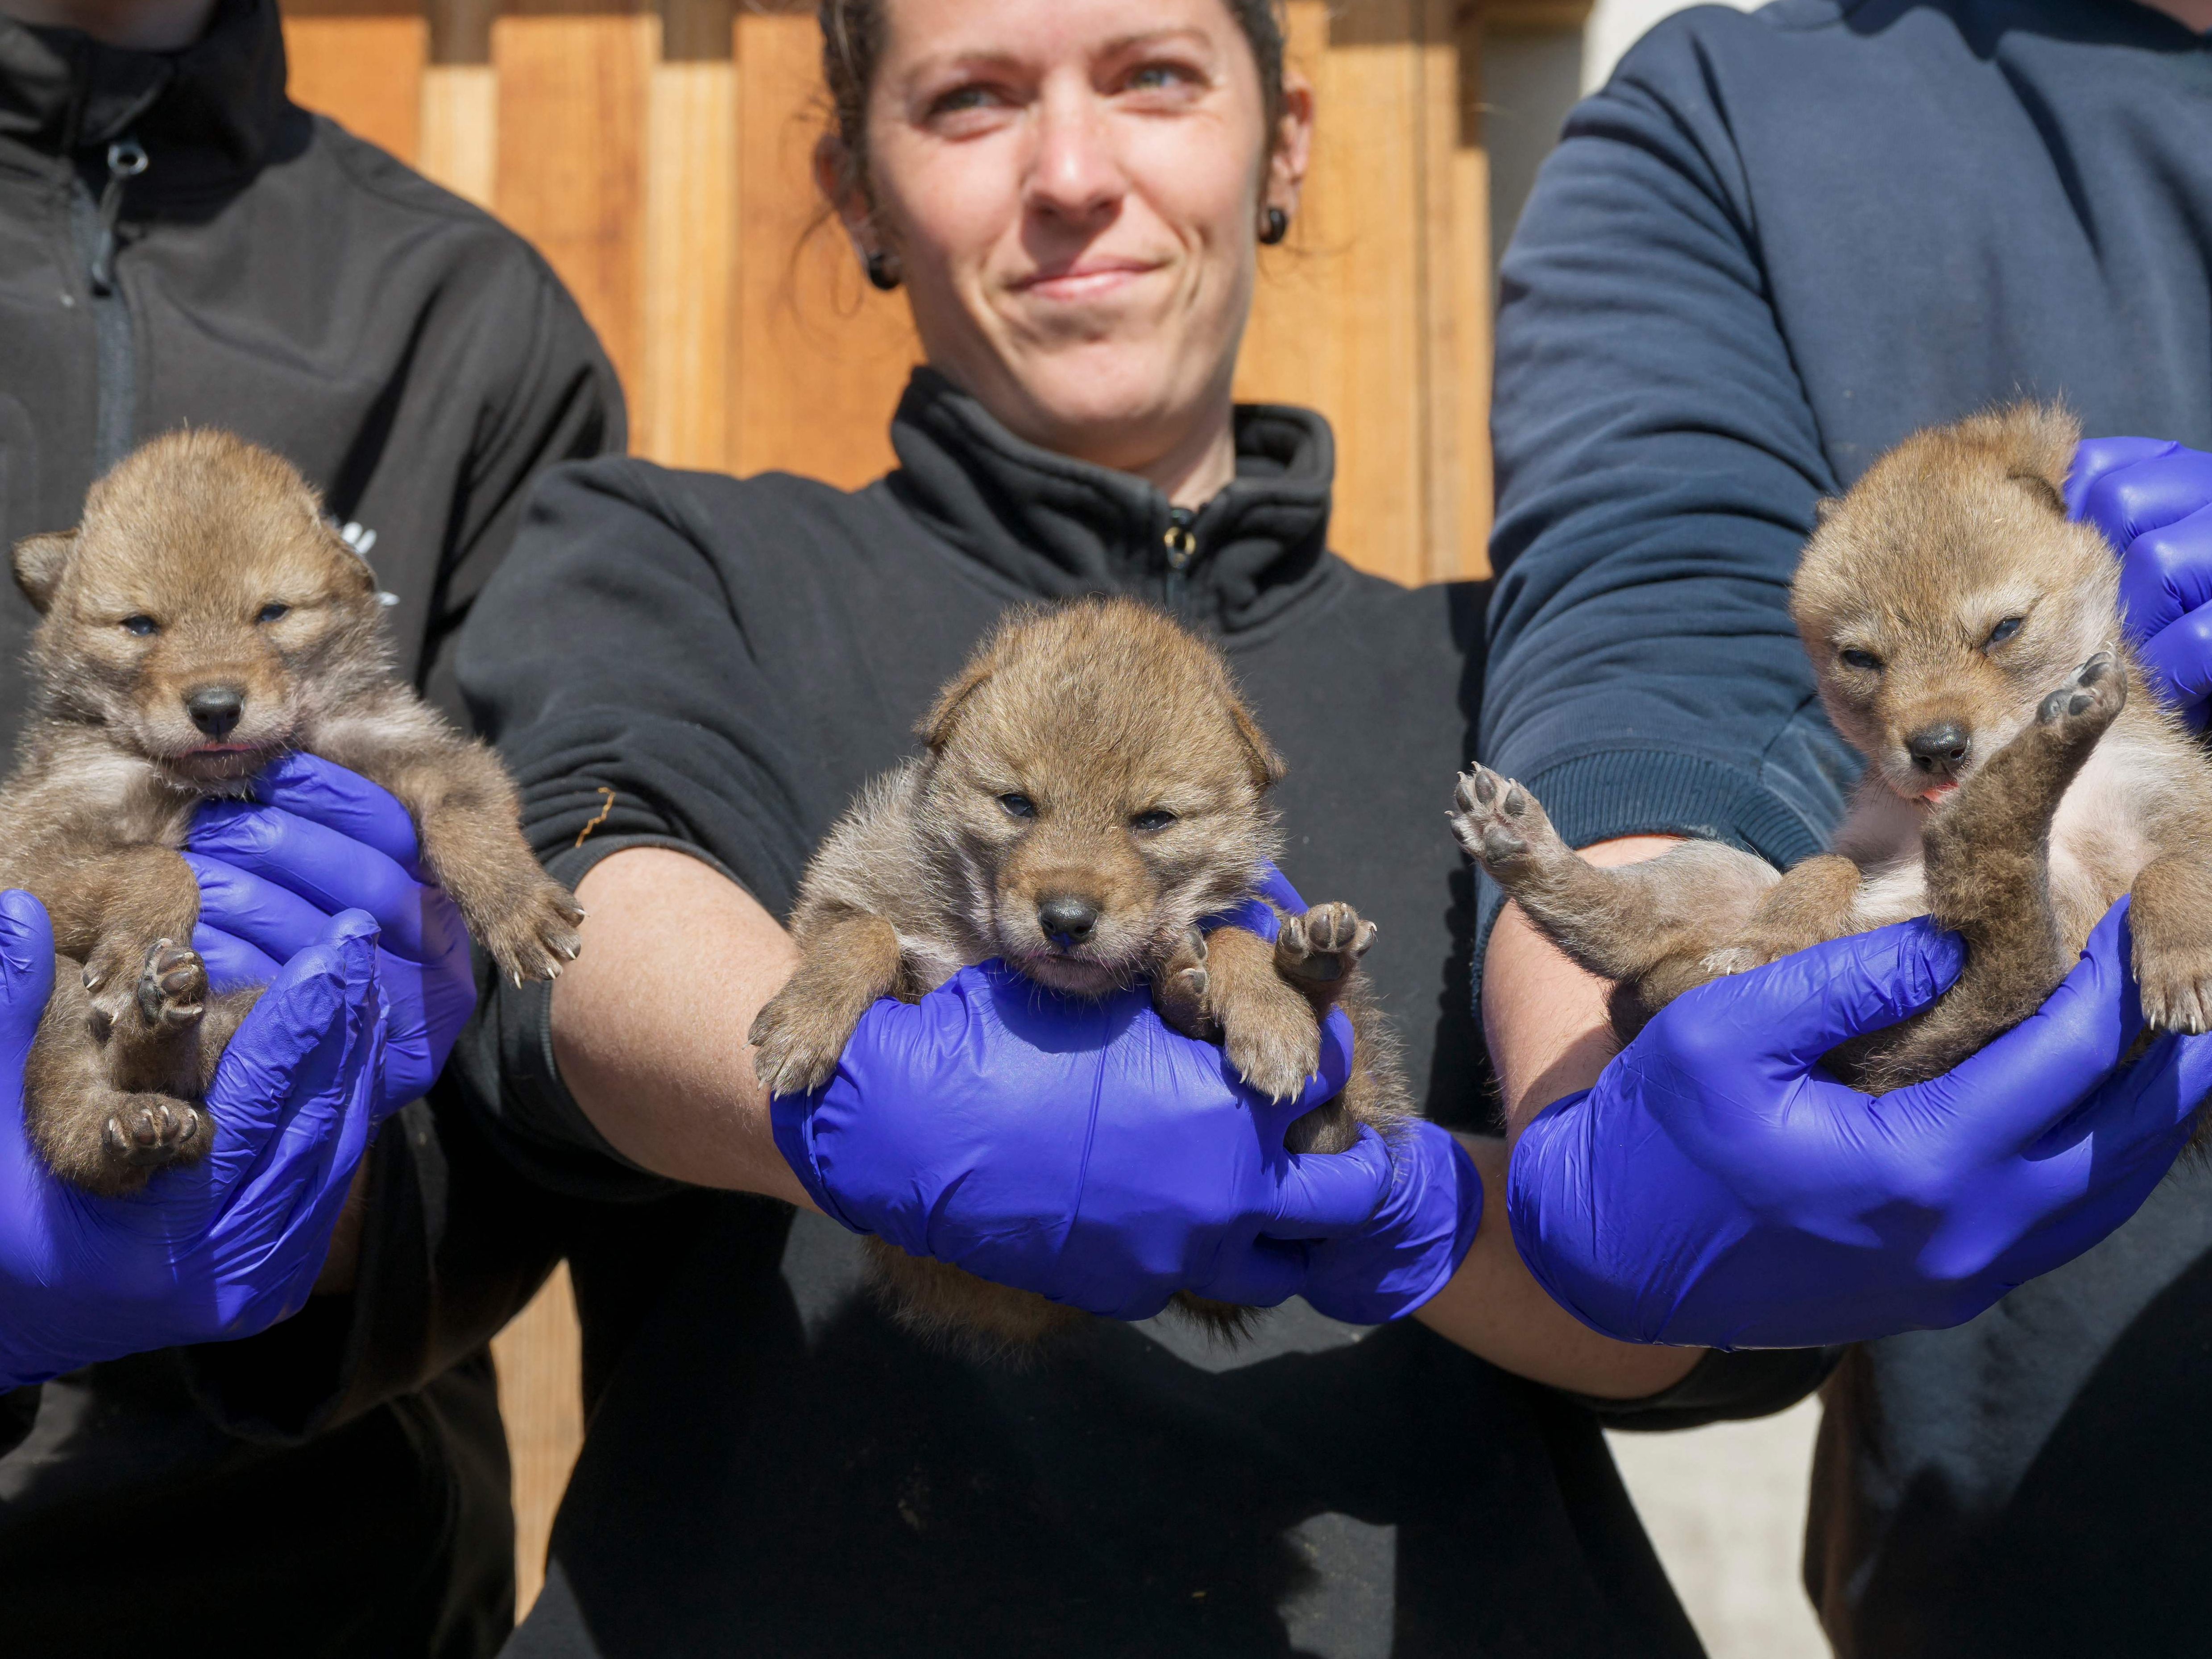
126	160
1181	543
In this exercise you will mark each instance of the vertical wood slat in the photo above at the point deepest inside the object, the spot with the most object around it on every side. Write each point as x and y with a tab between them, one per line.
460	130
821	356
365	72
573	95
680	415
540	1360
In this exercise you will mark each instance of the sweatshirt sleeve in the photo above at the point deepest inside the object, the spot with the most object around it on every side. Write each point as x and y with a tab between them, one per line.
607	662
1659	466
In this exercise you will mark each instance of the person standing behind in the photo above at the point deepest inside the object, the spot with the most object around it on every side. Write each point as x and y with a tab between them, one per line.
1771	248
180	244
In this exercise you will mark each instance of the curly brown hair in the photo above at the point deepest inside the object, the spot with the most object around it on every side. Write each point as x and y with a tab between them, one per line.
853	44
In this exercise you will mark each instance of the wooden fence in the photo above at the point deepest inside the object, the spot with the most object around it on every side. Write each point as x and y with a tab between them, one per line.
659	159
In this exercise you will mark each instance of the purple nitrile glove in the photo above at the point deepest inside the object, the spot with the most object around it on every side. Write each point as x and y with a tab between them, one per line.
1411	1247
1717	1188
2153	500
1080	1149
316	840
224	1248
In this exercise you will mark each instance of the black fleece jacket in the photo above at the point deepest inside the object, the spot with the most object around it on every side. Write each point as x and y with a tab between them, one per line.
717	664
331	1487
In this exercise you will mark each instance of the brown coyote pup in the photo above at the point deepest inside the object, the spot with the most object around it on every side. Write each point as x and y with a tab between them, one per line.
204	619
2019	779
1091	788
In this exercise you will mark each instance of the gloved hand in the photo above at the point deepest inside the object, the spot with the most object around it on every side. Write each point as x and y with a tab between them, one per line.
318	839
1081	1150
2153	500
1717	1188
1413	1244
226	1248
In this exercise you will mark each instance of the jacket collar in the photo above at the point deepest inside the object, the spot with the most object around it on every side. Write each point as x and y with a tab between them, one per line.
206	115
1058	527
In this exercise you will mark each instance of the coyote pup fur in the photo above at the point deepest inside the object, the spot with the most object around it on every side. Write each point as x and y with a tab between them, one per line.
1090	787
204	619
2020	776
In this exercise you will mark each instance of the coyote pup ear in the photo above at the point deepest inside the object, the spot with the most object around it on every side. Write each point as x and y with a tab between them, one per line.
936	728
2038	440
39	562
1267	767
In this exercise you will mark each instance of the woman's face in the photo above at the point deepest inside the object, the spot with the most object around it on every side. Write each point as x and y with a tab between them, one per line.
1072	191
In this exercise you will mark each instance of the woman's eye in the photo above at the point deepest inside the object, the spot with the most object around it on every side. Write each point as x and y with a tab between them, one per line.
1018	806
963	99
271	611
2005	629
1149	821
1857	659
141	626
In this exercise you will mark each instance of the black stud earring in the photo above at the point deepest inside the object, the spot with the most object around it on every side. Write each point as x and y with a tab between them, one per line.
884	273
1274	225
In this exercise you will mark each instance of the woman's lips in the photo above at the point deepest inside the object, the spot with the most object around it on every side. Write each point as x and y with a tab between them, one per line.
1086	282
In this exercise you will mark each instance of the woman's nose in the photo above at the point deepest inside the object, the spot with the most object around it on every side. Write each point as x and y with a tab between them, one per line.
1077	171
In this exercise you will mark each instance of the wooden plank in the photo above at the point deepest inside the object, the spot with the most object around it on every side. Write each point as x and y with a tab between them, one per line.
365	72
1470	268
1369	160
682	414
1289	354
460	130
821	356
539	1360
573	95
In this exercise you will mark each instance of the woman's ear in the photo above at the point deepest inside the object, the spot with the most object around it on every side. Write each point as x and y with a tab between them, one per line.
1293	150
836	178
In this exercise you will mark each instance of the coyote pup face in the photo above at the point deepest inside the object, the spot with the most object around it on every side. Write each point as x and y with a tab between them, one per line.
1942	600
204	614
1095	787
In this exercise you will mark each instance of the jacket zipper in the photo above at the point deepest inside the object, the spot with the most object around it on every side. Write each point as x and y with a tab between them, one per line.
1182	544
94	223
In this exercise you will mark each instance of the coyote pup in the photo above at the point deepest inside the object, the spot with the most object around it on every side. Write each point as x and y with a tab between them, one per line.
204	619
2020	777
1091	788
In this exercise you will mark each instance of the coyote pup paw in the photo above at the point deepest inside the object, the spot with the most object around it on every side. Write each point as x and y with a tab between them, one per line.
172	987
148	1133
1324	944
536	937
1500	824
1180	988
2089	700
796	1044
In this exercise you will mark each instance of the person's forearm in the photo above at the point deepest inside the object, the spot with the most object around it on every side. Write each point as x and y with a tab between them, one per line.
649	1023
1545	1023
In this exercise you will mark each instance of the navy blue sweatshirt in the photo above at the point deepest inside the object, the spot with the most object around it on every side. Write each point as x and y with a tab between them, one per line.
1772	247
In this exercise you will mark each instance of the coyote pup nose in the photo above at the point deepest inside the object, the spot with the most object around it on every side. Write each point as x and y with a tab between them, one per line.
1067	917
1939	750
214	709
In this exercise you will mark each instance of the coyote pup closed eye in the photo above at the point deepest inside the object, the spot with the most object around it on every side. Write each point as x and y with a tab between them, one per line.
1091	788
2019	777
203	620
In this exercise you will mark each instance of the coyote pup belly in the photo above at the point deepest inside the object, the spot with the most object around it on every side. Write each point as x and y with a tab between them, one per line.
2021	778
1091	788
203	620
